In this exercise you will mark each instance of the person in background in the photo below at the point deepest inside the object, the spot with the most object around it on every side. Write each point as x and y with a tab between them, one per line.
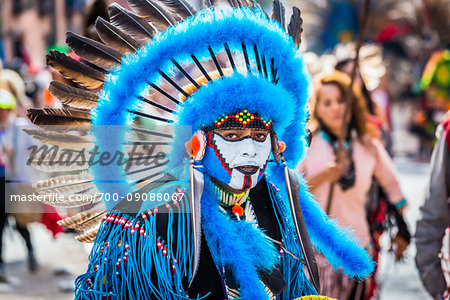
7	104
351	171
16	145
382	216
377	122
432	258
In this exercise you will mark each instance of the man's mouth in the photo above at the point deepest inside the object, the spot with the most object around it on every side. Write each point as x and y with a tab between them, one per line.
248	170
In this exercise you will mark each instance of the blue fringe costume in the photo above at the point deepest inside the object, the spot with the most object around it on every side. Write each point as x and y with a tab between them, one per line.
148	255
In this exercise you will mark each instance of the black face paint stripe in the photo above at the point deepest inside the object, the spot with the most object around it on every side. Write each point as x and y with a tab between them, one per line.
247	182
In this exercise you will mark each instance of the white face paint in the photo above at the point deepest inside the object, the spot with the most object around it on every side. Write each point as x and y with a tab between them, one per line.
246	158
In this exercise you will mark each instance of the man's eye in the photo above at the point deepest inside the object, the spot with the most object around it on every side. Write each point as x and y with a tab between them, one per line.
231	136
260	137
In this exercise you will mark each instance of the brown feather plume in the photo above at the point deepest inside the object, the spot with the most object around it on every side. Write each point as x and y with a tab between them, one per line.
236	3
63	180
278	12
94	52
75	70
82	221
295	28
180	7
59	116
87	237
128	22
114	37
247	3
154	12
62	140
73	97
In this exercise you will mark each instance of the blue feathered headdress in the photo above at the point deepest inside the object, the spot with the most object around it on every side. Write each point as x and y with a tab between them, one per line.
276	85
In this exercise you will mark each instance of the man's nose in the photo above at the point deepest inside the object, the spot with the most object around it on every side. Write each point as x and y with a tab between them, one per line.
248	148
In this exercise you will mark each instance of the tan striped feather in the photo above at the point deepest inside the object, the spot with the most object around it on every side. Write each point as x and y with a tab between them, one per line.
87	237
62	140
82	221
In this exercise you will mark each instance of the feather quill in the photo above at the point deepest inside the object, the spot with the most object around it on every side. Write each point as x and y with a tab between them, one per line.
59	116
75	70
295	28
89	223
82	221
62	140
115	38
128	22
94	52
278	12
153	12
180	7
72	96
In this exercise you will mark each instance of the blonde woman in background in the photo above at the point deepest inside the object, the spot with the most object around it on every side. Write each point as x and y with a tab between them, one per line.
351	171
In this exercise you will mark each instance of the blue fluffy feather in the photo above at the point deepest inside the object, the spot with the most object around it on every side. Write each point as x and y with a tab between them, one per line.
336	243
237	245
239	92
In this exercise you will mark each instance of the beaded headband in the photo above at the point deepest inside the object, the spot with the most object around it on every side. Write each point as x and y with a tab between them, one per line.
240	119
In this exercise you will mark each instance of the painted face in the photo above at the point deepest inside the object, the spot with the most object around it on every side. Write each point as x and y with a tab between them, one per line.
237	157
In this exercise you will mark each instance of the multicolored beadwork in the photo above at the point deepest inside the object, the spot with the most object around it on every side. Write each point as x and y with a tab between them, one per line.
241	119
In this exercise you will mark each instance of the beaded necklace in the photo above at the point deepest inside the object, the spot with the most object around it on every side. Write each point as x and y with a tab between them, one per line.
228	199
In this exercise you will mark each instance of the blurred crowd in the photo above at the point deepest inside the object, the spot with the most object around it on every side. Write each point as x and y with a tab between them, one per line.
400	65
